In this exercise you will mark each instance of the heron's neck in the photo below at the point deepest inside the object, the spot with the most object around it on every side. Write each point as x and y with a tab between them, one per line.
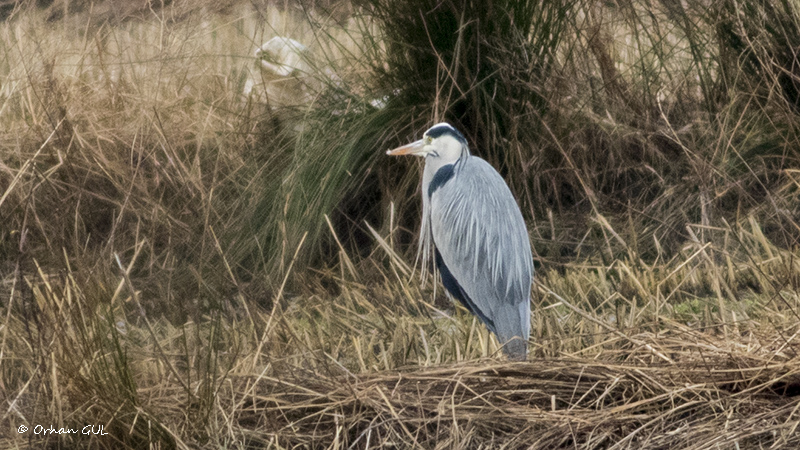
433	166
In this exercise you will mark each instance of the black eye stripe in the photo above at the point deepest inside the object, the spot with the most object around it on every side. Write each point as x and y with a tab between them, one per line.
445	129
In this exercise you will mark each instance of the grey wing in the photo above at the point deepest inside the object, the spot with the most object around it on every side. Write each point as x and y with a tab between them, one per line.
481	236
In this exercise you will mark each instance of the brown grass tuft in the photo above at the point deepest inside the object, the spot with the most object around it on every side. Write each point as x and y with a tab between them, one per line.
714	393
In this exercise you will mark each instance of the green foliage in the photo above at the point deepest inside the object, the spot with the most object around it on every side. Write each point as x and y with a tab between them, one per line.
481	66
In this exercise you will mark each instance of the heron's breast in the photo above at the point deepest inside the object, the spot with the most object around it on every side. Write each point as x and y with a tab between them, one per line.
440	178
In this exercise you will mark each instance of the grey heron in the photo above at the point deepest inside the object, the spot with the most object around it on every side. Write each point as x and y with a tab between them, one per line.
480	241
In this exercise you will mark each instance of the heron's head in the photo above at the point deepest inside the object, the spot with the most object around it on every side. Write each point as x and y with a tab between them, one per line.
282	57
441	141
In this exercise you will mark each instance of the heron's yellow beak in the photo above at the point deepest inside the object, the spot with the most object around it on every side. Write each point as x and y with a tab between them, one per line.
414	148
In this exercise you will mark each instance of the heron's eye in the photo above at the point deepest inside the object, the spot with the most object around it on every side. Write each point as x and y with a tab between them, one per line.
428	140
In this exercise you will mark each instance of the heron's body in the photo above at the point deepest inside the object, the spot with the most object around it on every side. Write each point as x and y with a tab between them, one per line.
480	242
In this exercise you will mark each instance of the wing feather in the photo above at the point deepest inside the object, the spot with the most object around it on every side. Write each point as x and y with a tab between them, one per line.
480	234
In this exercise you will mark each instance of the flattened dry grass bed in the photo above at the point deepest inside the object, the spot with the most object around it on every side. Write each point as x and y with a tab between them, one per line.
345	372
715	392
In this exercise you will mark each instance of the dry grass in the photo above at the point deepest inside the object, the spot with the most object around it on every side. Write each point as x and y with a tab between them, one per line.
182	266
375	366
713	394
